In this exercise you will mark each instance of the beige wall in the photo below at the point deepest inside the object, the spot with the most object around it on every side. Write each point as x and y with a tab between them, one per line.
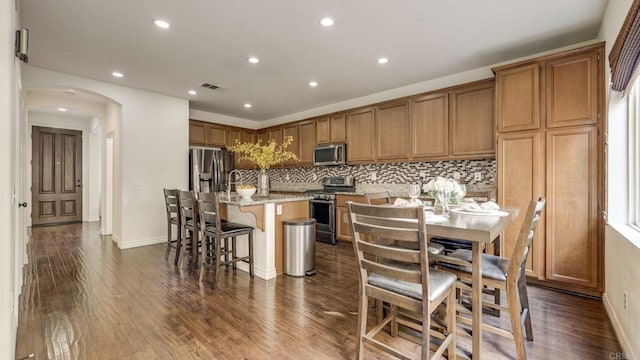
622	244
151	136
10	258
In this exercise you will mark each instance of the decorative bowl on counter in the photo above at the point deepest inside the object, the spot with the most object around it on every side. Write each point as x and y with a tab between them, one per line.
246	191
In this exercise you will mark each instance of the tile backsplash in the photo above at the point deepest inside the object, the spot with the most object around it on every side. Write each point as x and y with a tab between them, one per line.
386	173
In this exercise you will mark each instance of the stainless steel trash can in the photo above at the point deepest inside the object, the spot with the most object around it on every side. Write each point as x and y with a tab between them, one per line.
300	246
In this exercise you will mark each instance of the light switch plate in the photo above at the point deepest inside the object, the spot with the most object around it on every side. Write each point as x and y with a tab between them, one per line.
456	175
477	176
374	176
278	209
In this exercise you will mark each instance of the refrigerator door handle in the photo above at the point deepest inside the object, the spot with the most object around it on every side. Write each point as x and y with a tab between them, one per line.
215	185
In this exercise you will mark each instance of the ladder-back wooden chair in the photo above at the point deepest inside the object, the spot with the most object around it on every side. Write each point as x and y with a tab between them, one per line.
400	276
504	274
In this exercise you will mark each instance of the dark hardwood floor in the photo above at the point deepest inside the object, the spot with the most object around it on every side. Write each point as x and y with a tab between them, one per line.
85	299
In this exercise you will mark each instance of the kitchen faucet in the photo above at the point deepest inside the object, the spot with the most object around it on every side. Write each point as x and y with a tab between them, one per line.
229	183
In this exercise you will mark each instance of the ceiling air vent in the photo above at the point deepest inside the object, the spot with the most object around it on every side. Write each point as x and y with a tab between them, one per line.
210	86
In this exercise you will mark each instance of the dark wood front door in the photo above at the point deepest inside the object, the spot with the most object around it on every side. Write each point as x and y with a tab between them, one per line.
57	176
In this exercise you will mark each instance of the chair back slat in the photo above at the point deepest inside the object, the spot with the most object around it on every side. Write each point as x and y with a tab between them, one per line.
402	254
209	210
188	206
378	198
388	259
525	238
171	201
397	273
395	233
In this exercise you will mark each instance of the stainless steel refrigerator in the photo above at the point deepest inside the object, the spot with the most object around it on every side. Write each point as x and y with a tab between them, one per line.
209	169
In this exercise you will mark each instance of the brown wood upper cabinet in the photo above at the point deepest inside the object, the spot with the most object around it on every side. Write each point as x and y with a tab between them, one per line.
472	120
430	126
518	98
233	135
331	129
360	135
197	133
322	131
216	135
570	93
572	90
392	131
248	136
276	134
263	136
293	131
307	132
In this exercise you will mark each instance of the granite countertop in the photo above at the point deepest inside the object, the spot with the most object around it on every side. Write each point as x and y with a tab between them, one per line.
255	200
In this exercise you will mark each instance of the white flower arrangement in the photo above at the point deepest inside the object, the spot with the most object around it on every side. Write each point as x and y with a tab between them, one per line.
440	182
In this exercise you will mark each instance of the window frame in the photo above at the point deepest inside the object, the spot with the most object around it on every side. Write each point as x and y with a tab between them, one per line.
634	155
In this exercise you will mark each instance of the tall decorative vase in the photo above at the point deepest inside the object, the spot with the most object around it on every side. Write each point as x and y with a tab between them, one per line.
263	183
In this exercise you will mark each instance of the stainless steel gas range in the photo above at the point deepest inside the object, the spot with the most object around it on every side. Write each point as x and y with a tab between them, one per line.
323	206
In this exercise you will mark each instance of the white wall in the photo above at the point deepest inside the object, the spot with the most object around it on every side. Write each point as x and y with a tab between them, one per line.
622	245
8	242
91	156
151	141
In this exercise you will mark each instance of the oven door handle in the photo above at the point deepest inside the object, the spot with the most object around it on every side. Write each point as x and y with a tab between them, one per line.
328	202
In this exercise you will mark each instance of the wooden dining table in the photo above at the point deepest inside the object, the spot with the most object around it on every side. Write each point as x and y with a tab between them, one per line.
480	230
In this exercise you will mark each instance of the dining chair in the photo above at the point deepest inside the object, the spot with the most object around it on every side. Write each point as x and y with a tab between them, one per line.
213	232
188	209
404	280
505	274
378	198
384	198
173	219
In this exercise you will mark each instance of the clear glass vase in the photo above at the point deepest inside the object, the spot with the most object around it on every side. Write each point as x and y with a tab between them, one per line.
263	183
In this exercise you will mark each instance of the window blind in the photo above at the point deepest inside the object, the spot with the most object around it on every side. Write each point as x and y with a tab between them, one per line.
624	57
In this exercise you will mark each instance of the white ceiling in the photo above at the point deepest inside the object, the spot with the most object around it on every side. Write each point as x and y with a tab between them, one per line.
210	41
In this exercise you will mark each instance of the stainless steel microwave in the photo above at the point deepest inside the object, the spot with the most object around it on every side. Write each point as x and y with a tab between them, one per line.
334	154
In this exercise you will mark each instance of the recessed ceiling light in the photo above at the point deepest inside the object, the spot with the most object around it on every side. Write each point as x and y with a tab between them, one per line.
326	22
313	83
161	24
247	105
62	109
193	92
254	60
117	74
383	60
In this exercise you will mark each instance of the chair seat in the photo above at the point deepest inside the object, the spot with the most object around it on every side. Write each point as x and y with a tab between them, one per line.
452	244
439	282
433	248
493	267
229	228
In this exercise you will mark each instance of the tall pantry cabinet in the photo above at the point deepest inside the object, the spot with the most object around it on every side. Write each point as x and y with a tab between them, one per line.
549	114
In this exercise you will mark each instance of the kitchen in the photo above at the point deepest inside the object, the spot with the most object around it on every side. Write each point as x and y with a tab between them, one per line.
376	161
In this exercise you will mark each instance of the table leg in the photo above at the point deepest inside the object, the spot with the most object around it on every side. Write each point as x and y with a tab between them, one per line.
476	299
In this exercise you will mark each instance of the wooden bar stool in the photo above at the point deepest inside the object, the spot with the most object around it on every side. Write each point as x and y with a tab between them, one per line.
173	219
213	232
188	208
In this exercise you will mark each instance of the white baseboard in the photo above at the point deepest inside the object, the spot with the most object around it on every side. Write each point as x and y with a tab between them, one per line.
142	242
90	219
261	273
617	327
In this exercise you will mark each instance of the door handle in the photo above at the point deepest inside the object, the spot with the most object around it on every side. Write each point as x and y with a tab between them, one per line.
24	204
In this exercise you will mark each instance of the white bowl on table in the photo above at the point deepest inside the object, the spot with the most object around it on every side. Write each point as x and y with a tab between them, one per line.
246	193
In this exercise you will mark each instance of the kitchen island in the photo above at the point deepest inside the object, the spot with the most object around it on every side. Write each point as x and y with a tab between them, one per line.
266	215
